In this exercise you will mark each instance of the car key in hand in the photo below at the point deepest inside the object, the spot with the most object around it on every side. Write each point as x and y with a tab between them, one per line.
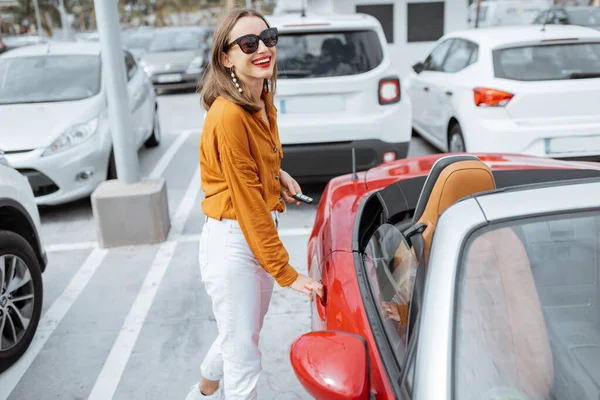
303	198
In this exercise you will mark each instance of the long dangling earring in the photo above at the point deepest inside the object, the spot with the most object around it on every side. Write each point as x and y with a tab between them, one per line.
235	82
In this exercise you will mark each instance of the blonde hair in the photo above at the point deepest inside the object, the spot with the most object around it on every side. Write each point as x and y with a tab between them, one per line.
217	78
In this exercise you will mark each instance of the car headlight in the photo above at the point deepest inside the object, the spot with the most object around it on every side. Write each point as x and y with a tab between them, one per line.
3	159
195	66
148	69
72	137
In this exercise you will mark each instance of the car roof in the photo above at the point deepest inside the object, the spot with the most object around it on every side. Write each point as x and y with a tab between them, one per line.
312	22
55	48
504	35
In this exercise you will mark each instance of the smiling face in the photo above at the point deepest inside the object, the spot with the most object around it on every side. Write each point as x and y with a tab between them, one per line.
252	68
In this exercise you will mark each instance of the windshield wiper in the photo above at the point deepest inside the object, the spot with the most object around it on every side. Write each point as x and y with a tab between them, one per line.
295	72
584	75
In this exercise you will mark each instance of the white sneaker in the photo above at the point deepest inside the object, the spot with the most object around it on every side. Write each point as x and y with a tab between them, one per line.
195	394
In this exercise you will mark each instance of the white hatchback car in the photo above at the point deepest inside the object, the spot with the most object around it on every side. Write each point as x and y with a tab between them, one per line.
54	121
529	89
337	90
22	261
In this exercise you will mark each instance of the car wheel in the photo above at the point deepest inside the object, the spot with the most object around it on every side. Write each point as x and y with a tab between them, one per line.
154	139
456	140
112	167
21	295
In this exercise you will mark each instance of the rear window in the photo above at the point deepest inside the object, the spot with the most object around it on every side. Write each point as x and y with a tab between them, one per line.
316	55
548	62
585	17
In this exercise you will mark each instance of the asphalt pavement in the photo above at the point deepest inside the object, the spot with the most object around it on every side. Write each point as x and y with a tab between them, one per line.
135	323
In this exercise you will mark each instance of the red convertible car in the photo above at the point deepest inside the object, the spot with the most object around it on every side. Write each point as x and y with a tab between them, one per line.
456	277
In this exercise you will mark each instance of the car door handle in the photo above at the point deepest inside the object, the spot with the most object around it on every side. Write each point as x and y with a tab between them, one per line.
426	89
448	93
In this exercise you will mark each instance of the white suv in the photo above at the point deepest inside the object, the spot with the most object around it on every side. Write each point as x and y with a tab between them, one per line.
22	261
337	90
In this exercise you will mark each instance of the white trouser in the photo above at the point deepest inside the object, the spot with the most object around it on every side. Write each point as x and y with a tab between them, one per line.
240	290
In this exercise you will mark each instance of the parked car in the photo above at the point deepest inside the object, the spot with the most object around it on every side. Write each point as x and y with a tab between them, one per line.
521	89
138	41
174	57
578	15
466	276
55	127
337	90
14	42
22	261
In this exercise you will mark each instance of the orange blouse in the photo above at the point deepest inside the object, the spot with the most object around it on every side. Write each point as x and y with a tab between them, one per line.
240	161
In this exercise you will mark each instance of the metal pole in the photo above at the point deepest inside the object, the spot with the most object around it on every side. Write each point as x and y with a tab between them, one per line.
113	65
63	19
38	19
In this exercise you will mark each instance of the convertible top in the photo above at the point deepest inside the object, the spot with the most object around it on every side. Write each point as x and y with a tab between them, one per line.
398	201
401	197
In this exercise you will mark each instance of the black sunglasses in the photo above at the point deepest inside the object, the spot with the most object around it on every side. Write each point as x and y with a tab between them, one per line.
249	43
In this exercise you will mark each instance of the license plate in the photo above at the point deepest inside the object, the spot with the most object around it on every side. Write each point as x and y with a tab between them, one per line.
581	144
169	78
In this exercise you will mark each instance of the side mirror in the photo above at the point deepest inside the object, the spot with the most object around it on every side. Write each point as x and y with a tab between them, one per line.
418	67
332	365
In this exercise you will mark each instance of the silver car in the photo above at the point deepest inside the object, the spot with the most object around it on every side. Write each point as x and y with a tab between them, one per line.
174	57
54	121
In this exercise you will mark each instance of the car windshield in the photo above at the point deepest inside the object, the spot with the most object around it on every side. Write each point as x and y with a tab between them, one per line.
528	310
139	40
548	62
315	55
166	41
48	78
391	269
585	17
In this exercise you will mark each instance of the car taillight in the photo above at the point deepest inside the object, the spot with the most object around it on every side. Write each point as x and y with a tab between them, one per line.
389	91
485	97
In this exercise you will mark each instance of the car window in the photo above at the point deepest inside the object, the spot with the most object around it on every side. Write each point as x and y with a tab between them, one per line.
166	41
547	62
540	18
315	55
560	17
391	269
527	322
459	56
130	65
49	78
139	41
585	17
434	61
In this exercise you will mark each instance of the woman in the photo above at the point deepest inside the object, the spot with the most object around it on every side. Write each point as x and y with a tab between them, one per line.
240	156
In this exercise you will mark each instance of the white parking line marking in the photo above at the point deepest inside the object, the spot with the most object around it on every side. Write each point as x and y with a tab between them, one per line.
48	323
112	371
110	376
58	247
70	246
166	158
186	205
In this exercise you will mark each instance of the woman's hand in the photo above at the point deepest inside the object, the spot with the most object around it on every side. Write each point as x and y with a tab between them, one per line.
306	285
289	187
390	311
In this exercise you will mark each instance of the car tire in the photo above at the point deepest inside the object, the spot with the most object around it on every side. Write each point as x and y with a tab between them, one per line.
456	140
15	247
112	167
154	139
